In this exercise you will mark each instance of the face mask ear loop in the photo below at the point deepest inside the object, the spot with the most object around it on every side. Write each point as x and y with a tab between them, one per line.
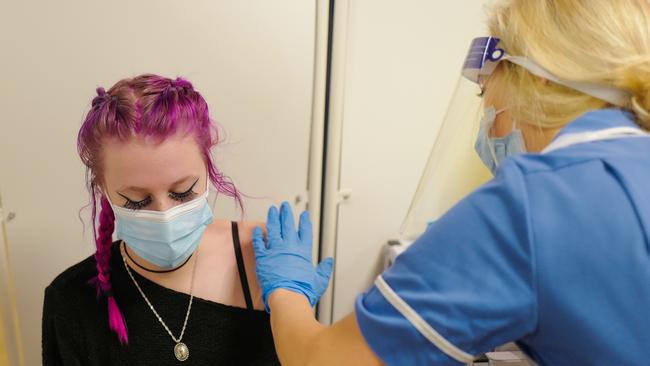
108	198
494	154
516	128
488	132
491	146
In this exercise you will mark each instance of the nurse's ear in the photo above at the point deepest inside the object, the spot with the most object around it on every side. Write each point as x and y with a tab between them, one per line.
497	94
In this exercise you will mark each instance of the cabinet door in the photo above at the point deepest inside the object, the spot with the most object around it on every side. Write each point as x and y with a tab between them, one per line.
252	60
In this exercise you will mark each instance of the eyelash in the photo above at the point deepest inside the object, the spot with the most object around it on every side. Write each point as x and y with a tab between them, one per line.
136	205
180	197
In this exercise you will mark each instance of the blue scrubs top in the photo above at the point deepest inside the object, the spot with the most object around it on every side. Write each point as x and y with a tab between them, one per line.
552	253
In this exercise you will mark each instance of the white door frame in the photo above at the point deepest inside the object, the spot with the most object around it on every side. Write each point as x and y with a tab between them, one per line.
332	194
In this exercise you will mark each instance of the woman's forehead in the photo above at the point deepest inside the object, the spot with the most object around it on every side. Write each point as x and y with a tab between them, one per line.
144	162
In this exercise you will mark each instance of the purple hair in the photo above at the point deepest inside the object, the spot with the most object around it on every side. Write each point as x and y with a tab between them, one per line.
147	106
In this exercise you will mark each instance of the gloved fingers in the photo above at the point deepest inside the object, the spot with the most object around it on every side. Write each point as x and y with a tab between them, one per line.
287	224
273	231
325	267
323	274
305	228
258	242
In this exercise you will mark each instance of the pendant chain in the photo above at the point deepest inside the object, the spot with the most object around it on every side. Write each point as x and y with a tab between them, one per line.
189	306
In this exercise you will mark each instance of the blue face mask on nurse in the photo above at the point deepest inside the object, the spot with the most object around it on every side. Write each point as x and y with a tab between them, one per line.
492	149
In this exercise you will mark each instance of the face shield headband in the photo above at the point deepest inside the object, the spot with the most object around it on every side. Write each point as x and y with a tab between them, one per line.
484	55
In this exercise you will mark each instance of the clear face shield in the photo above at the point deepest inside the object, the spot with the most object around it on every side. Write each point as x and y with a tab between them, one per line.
454	169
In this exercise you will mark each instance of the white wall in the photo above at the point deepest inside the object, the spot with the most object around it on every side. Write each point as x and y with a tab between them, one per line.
400	62
252	60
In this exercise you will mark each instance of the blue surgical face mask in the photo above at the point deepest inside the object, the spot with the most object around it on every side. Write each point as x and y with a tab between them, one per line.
164	238
493	150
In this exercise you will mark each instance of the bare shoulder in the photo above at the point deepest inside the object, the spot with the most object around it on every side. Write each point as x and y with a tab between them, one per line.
246	230
220	225
246	239
224	227
219	245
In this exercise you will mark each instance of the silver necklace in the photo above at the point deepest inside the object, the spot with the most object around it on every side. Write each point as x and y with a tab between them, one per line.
181	351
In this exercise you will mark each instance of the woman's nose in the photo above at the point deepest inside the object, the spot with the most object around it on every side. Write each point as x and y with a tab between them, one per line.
162	203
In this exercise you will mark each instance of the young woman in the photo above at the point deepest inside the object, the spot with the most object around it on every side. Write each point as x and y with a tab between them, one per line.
177	285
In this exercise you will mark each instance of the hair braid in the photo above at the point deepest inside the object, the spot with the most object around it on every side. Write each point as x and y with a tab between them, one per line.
102	257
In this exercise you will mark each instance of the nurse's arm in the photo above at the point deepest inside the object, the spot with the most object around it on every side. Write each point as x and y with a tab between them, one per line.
301	340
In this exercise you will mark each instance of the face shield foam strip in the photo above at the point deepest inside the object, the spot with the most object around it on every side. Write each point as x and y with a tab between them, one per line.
484	55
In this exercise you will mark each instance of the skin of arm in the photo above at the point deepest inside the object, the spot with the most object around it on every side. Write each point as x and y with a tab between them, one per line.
301	340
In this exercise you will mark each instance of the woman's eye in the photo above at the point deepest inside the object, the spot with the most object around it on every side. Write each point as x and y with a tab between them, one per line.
184	196
136	205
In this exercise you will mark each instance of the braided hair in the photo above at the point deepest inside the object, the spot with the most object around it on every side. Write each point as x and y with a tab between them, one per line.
149	106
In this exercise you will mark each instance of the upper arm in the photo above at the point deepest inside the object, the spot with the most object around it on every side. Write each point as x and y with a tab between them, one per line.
246	238
465	286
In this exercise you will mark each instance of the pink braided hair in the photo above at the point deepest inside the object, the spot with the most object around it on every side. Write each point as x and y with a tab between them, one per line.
150	106
103	243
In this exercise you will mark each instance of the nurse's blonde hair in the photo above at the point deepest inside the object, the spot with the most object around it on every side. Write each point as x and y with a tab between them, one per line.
604	42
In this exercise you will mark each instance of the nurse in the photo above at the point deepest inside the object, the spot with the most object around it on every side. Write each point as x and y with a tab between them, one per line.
553	253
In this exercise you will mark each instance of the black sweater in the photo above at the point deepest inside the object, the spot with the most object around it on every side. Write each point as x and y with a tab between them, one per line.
76	332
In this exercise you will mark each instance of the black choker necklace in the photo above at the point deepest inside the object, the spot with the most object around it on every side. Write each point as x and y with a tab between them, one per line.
153	270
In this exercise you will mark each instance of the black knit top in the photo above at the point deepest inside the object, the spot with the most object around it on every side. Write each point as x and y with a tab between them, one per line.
76	332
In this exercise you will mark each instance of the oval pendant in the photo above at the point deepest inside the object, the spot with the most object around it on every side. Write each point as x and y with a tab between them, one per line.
181	351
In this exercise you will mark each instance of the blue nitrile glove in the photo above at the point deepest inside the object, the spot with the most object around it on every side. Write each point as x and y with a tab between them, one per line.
284	259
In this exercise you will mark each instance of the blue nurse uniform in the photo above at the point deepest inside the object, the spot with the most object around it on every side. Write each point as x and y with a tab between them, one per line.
553	253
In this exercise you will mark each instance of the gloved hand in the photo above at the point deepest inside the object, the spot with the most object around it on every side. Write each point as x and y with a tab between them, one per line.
284	258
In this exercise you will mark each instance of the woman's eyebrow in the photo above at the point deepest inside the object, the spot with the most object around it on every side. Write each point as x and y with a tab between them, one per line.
185	179
140	189
132	188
